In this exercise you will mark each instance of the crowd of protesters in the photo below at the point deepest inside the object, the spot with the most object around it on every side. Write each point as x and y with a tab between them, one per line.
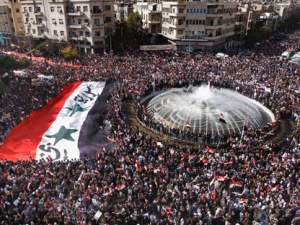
145	180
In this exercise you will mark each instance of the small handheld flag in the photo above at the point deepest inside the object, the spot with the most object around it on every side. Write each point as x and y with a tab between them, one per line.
222	118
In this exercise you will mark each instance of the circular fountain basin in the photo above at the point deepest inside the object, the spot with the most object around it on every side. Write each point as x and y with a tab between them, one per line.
200	109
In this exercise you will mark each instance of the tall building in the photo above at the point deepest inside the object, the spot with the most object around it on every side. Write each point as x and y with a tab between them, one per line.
86	23
11	22
151	14
204	25
122	11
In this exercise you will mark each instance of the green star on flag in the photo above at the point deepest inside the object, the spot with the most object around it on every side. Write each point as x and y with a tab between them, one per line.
63	133
76	108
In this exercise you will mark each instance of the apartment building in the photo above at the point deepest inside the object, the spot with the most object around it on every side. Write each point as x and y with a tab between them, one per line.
241	18
204	25
151	14
122	11
11	22
86	23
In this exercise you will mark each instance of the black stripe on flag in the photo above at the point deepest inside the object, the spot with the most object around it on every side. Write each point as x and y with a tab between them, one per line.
91	138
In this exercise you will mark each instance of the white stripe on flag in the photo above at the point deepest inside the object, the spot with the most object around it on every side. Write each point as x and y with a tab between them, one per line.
69	122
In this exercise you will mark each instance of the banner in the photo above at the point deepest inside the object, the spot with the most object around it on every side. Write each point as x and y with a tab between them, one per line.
66	128
157	47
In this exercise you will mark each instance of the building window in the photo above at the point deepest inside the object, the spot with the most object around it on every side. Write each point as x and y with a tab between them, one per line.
62	33
17	10
85	8
80	33
33	31
107	19
97	22
53	21
61	21
86	21
107	8
59	9
87	34
187	10
181	10
30	9
25	9
79	21
97	33
37	9
180	32
204	10
19	20
78	8
55	33
52	8
200	10
195	10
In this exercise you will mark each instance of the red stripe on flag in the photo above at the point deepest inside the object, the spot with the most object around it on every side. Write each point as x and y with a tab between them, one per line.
26	136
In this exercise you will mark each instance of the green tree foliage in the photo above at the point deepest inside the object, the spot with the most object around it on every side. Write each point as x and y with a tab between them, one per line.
70	52
9	63
134	24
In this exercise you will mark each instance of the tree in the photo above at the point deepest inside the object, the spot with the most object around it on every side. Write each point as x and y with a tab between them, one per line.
134	24
264	32
9	63
70	52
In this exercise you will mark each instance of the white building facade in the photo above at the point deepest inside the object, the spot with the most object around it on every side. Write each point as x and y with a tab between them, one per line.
204	25
85	23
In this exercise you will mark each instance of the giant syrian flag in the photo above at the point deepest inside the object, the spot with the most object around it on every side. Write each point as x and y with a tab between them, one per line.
66	128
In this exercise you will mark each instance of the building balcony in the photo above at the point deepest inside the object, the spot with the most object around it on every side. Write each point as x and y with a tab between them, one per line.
193	37
214	38
39	36
240	22
82	38
95	26
154	21
74	13
38	13
215	12
177	14
40	25
214	25
154	12
176	25
177	2
78	26
96	12
98	38
78	38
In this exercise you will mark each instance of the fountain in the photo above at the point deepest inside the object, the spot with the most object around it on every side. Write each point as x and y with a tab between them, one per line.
200	108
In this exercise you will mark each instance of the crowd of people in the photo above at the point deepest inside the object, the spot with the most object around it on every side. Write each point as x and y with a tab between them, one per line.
148	180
